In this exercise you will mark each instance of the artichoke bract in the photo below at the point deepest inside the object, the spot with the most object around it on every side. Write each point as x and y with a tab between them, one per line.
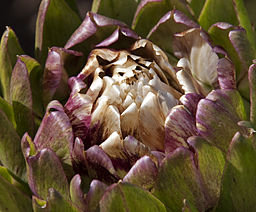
142	106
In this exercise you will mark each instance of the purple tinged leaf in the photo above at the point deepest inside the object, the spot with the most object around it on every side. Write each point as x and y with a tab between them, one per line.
78	108
76	193
79	160
241	44
76	85
55	78
244	20
226	74
245	52
95	29
252	85
73	61
172	22
21	97
134	150
149	13
179	126
10	151
225	109
219	32
53	16
159	156
43	170
183	181
120	34
9	49
94	195
100	165
143	173
55	132
190	101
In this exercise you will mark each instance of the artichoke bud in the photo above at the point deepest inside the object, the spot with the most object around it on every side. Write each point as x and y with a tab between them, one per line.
131	95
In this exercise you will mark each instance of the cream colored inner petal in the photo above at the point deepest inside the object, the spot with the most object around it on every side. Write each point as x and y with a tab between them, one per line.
128	100
99	110
186	81
112	91
130	120
165	90
151	123
95	88
204	63
111	122
113	146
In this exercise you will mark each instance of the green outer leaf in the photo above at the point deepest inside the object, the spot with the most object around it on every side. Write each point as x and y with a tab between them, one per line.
211	162
58	203
188	207
35	76
11	155
252	82
44	172
127	197
24	119
7	109
178	179
21	96
238	190
9	49
73	5
56	22
220	37
39	205
15	181
244	20
11	198
213	11
197	6
240	51
147	17
116	9
55	203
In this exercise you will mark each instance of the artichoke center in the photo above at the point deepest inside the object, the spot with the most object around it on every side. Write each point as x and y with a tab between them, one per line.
131	96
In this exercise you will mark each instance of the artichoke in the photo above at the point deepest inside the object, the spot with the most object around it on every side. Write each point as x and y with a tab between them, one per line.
142	106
